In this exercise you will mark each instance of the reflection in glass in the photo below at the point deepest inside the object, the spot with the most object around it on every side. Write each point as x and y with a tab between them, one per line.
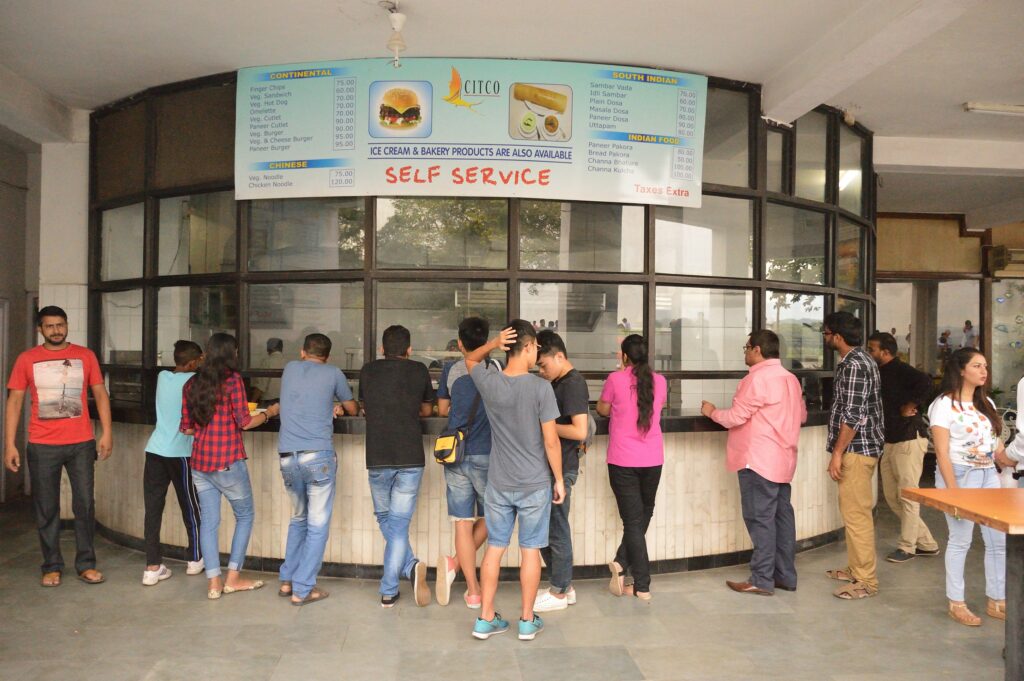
687	394
794	245
811	130
121	342
432	312
726	138
438	233
1007	361
197	234
592	319
849	250
282	315
851	175
775	168
123	385
797	319
192	313
851	305
592	237
713	240
121	231
306	234
703	329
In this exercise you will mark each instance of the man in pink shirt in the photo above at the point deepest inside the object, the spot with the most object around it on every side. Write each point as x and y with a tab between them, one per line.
764	429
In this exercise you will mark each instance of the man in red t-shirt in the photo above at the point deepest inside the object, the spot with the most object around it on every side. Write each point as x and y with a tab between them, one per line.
58	375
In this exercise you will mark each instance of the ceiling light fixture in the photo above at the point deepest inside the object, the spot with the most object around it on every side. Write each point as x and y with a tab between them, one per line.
995	108
396	43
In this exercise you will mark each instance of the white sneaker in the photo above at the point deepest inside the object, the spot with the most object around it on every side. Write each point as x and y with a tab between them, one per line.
194	567
447	568
570	596
548	602
151	577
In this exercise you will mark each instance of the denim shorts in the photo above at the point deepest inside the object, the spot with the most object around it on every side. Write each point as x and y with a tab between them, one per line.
533	510
466	482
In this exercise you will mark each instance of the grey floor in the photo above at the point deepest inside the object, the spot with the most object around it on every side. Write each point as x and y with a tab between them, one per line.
694	629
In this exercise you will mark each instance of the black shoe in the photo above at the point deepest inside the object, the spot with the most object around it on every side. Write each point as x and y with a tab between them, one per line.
780	585
899	556
926	552
389	601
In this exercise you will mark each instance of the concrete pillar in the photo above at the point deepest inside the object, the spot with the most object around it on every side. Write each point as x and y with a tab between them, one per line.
924	317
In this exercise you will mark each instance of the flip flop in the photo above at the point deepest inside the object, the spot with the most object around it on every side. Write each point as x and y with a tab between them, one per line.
92	576
839	574
312	597
50	579
615	584
258	584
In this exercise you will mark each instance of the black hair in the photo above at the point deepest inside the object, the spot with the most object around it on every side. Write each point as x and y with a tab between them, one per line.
317	345
846	326
767	340
204	390
524	333
549	343
396	341
50	311
275	345
634	348
953	383
185	351
885	341
473	332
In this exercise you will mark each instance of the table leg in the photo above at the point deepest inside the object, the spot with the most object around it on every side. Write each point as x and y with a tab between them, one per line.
1014	607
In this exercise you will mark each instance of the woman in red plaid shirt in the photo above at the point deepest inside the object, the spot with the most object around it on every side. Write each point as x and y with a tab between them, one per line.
215	411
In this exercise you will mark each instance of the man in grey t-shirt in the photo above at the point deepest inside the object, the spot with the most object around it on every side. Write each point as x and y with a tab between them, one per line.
525	456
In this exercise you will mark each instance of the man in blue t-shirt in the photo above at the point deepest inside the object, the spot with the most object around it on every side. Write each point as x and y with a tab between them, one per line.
167	453
309	464
465	481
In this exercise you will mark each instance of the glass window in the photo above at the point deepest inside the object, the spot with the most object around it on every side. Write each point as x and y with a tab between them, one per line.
686	394
440	233
726	138
306	234
851	305
197	234
592	319
851	174
794	245
811	133
282	315
1007	362
849	255
776	142
701	329
121	238
713	240
124	385
432	312
797	319
192	313
593	237
121	342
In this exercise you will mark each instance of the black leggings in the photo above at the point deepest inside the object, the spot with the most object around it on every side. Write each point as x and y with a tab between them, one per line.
635	489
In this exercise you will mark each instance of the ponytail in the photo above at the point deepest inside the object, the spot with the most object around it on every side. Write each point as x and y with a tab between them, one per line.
634	349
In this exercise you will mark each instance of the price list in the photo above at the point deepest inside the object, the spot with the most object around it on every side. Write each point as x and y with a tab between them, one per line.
686	121
344	114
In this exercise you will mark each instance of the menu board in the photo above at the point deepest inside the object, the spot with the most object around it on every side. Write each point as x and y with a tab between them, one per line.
470	127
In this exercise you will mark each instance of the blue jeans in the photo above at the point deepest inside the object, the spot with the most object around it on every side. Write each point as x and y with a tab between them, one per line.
558	553
309	479
394	492
961	532
234	484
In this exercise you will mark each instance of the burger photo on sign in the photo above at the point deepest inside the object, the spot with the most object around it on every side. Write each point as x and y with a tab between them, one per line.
400	108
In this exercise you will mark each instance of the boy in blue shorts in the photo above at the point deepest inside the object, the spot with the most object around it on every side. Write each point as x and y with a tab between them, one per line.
525	456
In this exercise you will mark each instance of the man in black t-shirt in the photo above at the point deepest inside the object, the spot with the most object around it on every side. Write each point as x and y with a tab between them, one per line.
573	406
395	392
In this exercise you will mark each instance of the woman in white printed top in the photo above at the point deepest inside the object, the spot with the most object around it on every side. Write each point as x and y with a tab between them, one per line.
965	427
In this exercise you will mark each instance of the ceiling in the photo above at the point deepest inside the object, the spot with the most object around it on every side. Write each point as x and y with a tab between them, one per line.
91	52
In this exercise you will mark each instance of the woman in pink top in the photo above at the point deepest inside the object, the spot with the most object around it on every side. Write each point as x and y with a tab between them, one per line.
632	399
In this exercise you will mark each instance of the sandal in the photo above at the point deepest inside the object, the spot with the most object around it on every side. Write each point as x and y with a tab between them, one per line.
258	584
312	597
286	590
996	609
962	614
92	576
854	591
50	579
840	574
615	584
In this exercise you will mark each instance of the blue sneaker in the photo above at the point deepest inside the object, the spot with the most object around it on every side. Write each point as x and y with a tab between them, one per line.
529	630
483	629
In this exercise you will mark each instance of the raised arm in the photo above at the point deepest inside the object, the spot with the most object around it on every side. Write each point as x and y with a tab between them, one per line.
499	342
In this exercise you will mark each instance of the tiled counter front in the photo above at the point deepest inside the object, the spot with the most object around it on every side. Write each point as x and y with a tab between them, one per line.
697	513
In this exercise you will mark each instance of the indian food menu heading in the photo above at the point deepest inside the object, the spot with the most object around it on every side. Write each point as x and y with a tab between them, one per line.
470	127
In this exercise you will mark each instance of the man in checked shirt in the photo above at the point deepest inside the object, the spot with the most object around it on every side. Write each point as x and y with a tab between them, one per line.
855	439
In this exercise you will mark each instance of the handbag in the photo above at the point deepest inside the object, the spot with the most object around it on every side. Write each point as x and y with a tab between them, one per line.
450	445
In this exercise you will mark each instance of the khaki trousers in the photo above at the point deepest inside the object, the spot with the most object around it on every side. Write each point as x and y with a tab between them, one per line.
901	467
855	504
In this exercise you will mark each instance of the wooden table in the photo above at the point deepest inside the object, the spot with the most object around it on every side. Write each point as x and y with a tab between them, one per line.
1003	510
